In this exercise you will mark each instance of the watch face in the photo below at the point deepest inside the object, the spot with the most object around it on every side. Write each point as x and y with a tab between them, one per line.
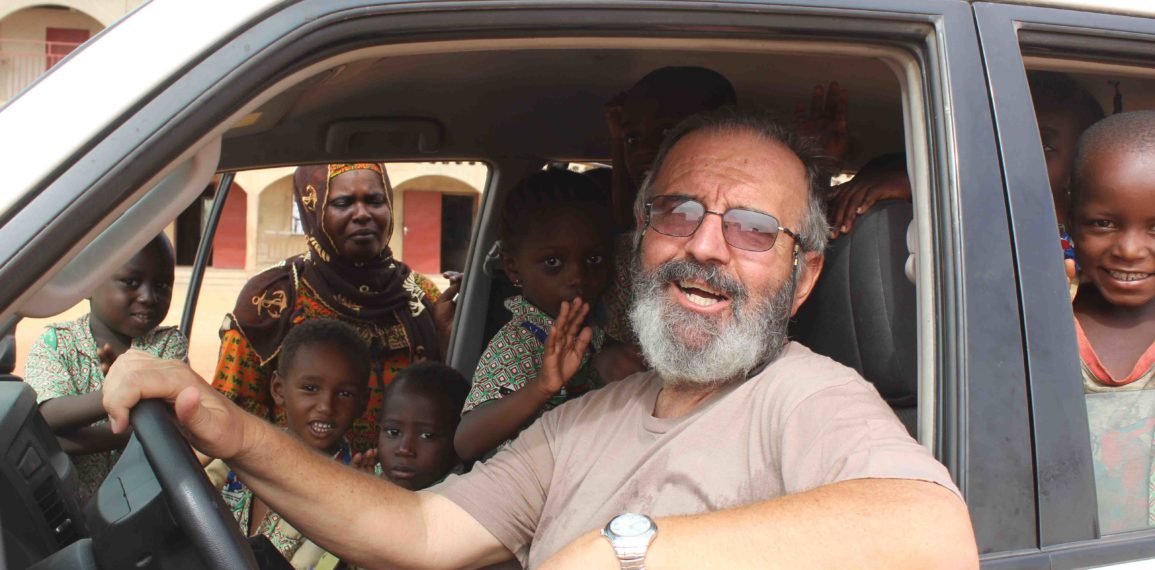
630	524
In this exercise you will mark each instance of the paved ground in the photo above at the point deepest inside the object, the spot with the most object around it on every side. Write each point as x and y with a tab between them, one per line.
218	295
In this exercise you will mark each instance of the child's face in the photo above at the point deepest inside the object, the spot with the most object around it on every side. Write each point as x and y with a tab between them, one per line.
1059	130
136	299
1114	227
415	445
322	395
565	254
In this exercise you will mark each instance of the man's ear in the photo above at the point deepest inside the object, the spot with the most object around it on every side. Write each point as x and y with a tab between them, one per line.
809	268
277	388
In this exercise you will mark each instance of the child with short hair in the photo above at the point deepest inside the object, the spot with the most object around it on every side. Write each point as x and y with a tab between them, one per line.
1113	216
556	244
418	422
322	383
67	364
422	407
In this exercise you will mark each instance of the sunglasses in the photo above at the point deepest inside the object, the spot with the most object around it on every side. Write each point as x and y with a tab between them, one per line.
679	216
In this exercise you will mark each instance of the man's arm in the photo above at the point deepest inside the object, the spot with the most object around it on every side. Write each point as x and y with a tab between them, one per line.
861	523
360	518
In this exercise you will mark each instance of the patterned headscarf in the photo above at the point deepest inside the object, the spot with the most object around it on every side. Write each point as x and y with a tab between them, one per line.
366	291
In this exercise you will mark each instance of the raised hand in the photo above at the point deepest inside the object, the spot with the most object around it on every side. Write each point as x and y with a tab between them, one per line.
365	461
565	347
444	308
826	121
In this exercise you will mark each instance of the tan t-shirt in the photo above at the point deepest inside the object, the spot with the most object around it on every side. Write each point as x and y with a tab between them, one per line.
804	422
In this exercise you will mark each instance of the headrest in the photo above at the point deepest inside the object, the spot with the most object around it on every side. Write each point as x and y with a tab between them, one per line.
862	311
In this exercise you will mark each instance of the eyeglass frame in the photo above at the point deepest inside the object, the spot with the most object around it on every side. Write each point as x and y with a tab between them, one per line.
649	205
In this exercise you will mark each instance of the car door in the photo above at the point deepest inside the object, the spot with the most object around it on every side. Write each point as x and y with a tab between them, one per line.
1014	38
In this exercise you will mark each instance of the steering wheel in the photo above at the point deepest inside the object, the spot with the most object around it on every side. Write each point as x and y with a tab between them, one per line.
197	508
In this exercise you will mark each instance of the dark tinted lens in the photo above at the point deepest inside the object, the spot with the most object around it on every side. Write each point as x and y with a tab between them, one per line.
675	216
749	230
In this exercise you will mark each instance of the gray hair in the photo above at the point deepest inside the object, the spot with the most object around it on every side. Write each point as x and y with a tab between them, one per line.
814	230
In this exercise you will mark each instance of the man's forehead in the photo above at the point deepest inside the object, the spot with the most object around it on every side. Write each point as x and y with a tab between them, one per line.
733	166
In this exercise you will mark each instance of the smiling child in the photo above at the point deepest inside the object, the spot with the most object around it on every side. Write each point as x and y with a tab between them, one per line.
67	364
556	242
322	384
1113	225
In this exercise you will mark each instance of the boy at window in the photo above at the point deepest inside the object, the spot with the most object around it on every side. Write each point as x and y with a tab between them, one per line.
1113	227
67	364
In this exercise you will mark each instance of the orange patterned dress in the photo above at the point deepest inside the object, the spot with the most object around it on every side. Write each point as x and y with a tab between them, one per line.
244	379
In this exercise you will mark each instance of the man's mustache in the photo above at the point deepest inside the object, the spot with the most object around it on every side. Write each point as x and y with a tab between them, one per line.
712	275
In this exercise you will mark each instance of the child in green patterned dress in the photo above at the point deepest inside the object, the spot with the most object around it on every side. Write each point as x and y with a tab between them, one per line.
556	246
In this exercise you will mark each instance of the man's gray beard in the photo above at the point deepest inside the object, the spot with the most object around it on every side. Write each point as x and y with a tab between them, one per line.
691	349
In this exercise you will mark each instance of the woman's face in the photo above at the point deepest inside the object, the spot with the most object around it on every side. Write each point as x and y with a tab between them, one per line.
357	215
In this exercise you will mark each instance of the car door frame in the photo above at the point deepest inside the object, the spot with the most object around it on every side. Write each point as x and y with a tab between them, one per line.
1068	516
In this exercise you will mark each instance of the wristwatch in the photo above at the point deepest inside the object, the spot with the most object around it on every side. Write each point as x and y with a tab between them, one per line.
631	535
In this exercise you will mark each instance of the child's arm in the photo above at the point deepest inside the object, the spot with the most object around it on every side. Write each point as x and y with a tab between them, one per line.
485	427
56	390
92	439
67	413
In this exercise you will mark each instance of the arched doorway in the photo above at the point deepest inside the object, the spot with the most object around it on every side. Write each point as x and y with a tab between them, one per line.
434	215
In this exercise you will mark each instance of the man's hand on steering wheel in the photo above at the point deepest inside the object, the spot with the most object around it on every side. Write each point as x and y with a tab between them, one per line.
211	422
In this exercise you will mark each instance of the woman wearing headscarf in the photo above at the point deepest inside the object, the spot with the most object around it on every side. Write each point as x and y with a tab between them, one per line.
347	273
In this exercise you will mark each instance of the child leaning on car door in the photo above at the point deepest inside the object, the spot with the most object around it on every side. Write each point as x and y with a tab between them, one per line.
1113	228
557	245
322	383
67	364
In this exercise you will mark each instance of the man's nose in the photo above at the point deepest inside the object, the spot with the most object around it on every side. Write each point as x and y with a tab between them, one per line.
708	244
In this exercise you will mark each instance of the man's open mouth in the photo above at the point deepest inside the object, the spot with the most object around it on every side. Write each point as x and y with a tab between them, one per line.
701	294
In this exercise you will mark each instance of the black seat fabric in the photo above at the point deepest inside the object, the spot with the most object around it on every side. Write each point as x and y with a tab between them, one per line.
862	311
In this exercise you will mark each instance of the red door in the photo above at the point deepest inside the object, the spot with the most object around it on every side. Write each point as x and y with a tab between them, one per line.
229	241
421	241
60	42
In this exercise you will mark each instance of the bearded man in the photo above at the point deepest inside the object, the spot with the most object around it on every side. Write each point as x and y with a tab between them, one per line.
738	450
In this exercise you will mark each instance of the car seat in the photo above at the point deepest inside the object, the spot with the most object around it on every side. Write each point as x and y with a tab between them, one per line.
862	310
